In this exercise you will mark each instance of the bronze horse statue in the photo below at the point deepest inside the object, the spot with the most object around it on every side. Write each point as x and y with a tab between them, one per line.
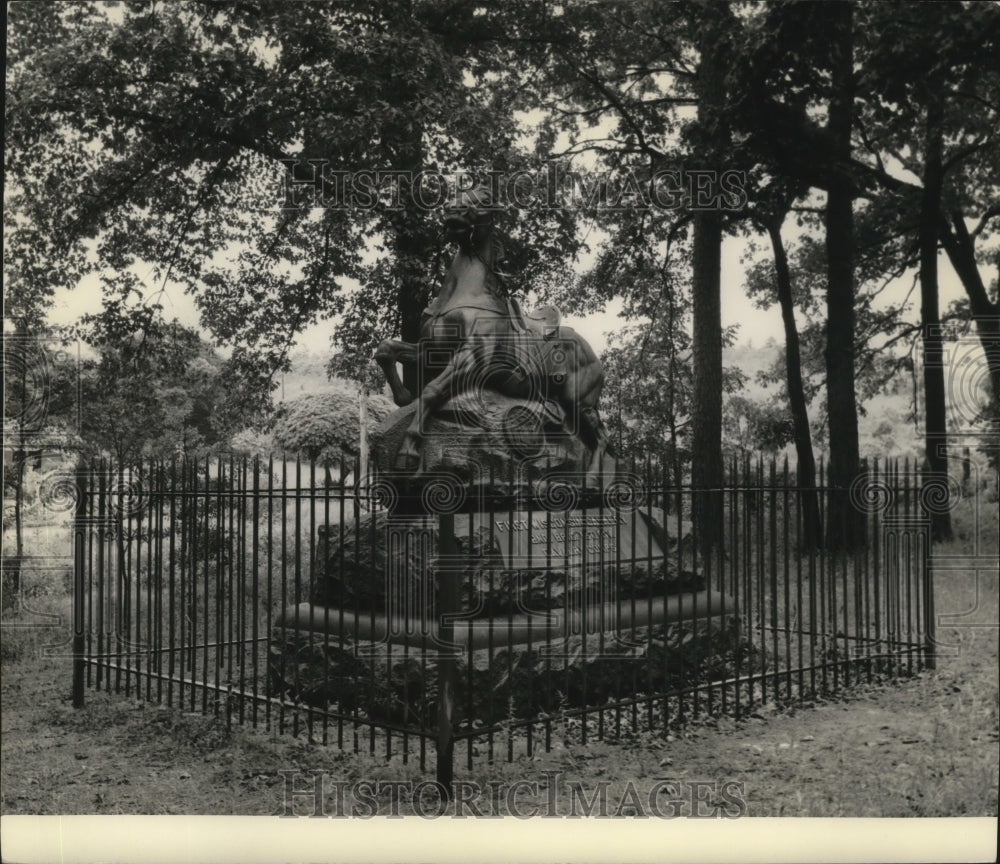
489	342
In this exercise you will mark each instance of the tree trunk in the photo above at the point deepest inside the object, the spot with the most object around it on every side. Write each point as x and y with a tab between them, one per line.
409	228
844	527
935	430
706	437
805	461
706	420
961	252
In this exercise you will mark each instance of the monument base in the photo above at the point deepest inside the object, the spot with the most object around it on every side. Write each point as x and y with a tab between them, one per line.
397	683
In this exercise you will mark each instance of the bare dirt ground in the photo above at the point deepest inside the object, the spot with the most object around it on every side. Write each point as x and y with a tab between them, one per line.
926	746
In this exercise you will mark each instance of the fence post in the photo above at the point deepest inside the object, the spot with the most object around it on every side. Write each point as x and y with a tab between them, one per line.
927	576
447	605
79	584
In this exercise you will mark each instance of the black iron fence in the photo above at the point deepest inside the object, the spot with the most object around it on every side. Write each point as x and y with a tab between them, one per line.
487	617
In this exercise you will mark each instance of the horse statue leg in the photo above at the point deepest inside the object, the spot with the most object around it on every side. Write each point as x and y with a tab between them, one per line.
389	353
582	378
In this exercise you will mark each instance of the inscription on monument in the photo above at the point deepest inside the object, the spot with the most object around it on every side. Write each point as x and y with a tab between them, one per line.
571	537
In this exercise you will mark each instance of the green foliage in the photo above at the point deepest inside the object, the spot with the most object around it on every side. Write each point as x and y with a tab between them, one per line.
750	426
647	396
157	393
322	426
161	136
164	135
251	442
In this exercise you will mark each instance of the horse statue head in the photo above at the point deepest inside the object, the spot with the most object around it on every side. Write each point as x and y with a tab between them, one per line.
470	218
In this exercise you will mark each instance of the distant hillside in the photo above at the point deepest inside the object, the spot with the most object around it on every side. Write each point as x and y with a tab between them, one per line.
885	424
308	375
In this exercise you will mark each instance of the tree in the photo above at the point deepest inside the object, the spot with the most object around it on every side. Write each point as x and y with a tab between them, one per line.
713	137
156	392
190	137
752	427
936	77
805	464
844	526
644	66
326	426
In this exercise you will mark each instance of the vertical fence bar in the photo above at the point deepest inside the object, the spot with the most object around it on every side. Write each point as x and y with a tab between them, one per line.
854	538
760	519
857	634
102	532
297	575
893	554
192	631
916	578
255	600
548	607
254	585
786	576
116	507
649	490
308	551
134	566
699	567
803	545
913	530
736	547
205	616
473	602
284	577
511	552
89	555
268	591
124	603
320	562
171	585
217	638
866	589
601	625
242	586
447	607
189	509
748	569
389	540
155	600
148	646
833	561
362	500
144	649
823	598
877	573
930	622
678	508
79	583
490	742
226	638
903	481
186	544
773	574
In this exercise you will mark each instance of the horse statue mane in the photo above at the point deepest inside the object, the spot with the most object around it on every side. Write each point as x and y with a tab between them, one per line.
470	221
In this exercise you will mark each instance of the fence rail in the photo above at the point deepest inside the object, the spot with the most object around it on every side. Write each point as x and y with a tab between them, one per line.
487	618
